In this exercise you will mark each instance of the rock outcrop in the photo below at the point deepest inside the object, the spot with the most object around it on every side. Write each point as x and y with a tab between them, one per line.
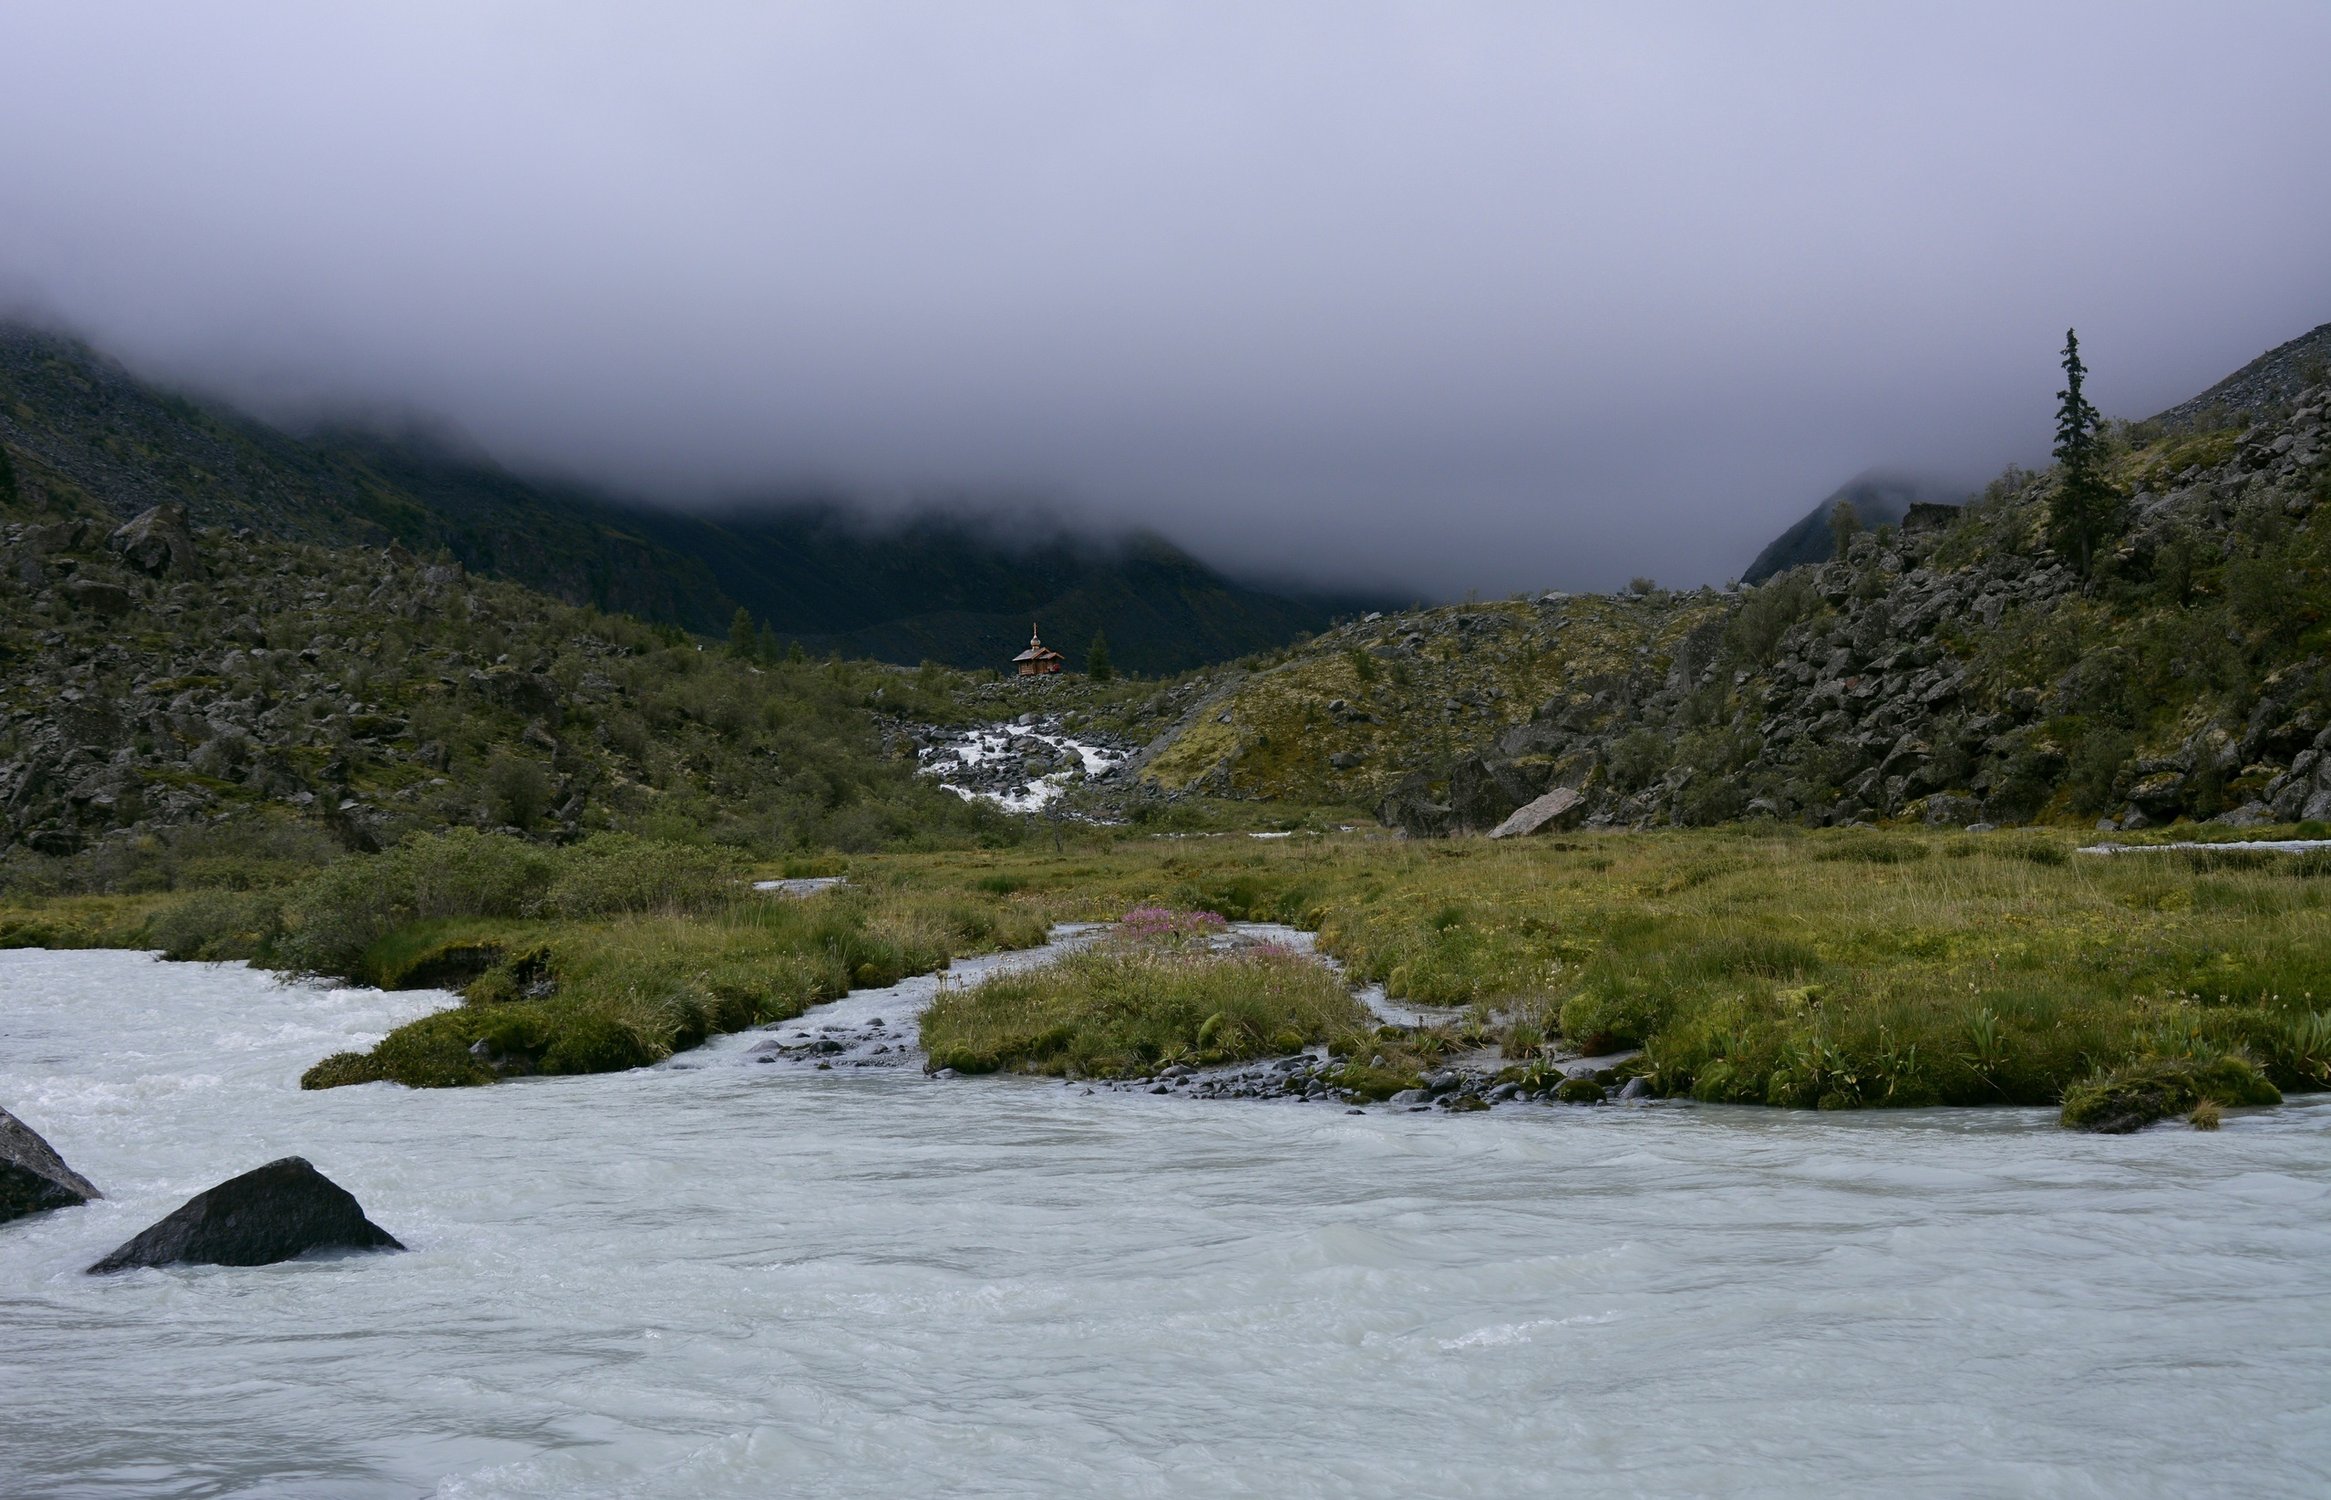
276	1212
33	1178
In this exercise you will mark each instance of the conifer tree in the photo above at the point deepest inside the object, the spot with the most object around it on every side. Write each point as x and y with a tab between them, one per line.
742	637
2086	510
1097	665
1845	523
7	478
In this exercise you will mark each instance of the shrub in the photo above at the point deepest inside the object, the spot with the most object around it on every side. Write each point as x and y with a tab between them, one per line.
1767	615
219	924
1636	759
1607	1019
331	920
518	790
611	873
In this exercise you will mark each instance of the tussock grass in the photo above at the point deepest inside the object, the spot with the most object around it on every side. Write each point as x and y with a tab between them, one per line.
1130	1007
2136	1094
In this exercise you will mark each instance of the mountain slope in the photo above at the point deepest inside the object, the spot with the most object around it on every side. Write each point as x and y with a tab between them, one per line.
1955	674
157	680
2259	388
958	590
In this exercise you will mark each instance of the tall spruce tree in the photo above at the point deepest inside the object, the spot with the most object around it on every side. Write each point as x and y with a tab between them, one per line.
7	478
2086	509
742	637
1097	664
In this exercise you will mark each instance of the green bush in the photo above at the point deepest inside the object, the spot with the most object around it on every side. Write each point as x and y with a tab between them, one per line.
218	924
612	873
342	911
1607	1019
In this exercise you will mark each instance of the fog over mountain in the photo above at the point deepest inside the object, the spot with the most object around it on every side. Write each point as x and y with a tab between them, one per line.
1454	296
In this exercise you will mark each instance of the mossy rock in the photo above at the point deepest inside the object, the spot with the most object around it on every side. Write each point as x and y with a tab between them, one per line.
2130	1097
340	1069
425	1056
1578	1091
1373	1083
594	1044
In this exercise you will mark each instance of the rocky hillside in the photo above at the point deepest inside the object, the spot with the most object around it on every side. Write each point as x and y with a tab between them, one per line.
85	433
2268	385
170	692
1957	673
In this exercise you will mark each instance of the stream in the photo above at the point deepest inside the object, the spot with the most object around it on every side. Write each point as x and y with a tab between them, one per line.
712	1278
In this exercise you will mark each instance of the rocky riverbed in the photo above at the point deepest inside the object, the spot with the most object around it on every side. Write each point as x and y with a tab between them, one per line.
1021	766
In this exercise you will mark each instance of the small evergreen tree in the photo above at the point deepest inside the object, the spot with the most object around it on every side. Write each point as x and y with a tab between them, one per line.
742	637
1097	665
2086	509
1845	523
7	478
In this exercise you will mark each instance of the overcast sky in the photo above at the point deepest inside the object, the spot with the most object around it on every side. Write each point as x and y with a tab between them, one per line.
1463	296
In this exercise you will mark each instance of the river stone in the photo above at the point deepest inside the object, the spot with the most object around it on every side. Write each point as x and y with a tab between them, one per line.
271	1213
1549	811
33	1178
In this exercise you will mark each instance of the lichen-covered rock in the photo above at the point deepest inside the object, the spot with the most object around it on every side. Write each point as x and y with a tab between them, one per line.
276	1212
1558	808
158	543
33	1178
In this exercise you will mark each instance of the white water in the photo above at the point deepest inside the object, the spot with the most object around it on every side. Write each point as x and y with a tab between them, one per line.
973	747
739	1281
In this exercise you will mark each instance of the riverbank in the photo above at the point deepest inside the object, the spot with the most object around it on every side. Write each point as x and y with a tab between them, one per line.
1837	969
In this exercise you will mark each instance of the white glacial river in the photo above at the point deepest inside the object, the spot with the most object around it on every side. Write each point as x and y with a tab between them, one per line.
738	1280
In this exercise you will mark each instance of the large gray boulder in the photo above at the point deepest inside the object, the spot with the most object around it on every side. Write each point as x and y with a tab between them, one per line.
158	543
276	1212
33	1178
1559	808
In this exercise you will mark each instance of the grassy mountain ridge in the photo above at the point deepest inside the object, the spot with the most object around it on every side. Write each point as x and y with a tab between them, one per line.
951	589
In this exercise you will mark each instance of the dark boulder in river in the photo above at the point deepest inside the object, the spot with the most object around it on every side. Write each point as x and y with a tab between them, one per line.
275	1212
33	1178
